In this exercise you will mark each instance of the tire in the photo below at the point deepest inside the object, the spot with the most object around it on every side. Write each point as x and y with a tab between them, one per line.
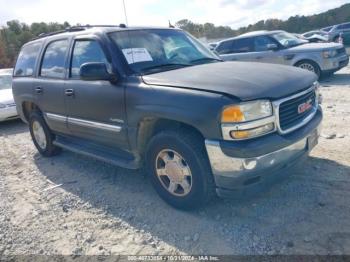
189	146
310	66
41	135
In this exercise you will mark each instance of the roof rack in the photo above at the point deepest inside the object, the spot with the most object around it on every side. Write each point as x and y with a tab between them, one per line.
75	29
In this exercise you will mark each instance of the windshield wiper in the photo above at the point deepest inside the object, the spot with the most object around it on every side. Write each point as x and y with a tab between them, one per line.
165	66
204	59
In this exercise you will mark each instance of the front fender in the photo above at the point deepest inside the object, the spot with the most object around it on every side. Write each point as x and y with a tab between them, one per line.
199	109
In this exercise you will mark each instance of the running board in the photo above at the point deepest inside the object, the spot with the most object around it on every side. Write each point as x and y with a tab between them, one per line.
109	155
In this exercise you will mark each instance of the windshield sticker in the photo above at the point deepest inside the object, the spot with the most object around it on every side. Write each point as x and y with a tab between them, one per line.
136	55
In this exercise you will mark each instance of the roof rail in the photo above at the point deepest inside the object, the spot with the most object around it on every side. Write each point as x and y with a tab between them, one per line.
76	28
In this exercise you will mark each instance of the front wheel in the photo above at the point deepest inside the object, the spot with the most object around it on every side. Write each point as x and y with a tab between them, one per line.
41	135
179	169
310	66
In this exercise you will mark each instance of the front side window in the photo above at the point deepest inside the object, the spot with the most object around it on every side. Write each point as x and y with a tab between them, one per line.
5	82
155	50
85	51
53	63
243	45
225	48
261	43
26	60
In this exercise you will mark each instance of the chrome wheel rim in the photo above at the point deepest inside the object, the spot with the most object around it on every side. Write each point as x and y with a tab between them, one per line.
308	67
173	172
39	134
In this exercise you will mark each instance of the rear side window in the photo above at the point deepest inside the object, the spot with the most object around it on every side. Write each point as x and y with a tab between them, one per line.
53	63
85	51
26	60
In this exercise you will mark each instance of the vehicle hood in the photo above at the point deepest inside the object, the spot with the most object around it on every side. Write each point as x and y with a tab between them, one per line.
314	47
243	80
6	96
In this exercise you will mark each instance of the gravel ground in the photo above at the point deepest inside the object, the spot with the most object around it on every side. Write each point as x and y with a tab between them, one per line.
71	204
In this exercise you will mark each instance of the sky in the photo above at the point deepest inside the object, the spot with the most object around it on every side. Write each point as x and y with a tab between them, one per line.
234	13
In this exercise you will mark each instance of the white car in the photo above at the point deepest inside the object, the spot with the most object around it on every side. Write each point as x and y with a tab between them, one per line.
7	104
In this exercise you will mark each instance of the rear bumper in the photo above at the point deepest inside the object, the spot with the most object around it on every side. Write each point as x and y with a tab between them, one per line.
233	172
8	113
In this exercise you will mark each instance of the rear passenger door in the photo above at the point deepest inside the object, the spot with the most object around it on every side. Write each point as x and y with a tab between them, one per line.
96	109
50	82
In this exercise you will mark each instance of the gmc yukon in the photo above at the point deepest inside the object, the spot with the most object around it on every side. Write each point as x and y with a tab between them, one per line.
158	98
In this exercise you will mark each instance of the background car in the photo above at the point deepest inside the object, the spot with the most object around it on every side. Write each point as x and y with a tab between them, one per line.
7	104
280	47
315	36
334	32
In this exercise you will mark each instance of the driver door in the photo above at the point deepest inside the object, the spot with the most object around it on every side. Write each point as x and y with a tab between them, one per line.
96	109
264	53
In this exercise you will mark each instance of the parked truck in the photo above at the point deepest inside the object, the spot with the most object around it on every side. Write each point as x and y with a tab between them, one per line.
158	98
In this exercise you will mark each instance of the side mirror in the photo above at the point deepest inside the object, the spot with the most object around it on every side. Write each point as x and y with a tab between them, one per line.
272	47
95	71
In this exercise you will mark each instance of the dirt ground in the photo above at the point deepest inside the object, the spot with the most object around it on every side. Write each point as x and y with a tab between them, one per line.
72	204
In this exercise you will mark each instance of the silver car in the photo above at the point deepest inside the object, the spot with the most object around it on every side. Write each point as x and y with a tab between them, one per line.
280	47
7	104
334	32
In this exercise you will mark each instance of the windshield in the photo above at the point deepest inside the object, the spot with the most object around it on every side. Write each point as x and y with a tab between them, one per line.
155	50
5	82
287	39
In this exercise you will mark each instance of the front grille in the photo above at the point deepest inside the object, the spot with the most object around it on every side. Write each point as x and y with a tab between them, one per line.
341	51
289	115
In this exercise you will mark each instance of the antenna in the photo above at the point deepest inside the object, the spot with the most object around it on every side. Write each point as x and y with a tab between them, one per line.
126	17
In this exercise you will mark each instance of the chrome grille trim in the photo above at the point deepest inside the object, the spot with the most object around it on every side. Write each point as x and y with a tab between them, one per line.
276	107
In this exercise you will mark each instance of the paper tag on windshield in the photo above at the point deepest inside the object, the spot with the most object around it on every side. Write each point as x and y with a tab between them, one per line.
136	55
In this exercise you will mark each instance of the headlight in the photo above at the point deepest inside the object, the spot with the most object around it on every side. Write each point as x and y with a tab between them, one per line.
329	53
2	106
246	112
247	120
318	93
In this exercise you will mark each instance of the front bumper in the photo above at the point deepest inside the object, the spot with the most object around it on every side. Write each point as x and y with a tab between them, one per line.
335	63
7	113
238	165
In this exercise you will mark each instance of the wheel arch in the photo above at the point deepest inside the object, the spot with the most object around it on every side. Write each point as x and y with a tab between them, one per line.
27	108
150	126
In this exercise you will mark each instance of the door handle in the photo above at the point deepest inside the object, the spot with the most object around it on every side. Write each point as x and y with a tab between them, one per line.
69	92
39	90
259	57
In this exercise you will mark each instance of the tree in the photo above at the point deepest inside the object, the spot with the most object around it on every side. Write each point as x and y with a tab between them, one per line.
294	24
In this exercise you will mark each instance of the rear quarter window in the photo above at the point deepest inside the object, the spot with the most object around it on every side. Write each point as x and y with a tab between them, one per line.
26	60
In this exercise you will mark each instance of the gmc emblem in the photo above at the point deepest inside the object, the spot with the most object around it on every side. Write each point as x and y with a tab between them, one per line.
304	106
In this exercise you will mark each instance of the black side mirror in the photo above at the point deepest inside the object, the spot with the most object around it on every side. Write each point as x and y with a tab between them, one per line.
272	47
95	71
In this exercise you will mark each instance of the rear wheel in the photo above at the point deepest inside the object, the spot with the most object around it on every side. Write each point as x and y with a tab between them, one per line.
179	169
310	66
41	135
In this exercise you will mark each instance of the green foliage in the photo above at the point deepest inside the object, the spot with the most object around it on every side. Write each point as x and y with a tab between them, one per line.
15	34
295	24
